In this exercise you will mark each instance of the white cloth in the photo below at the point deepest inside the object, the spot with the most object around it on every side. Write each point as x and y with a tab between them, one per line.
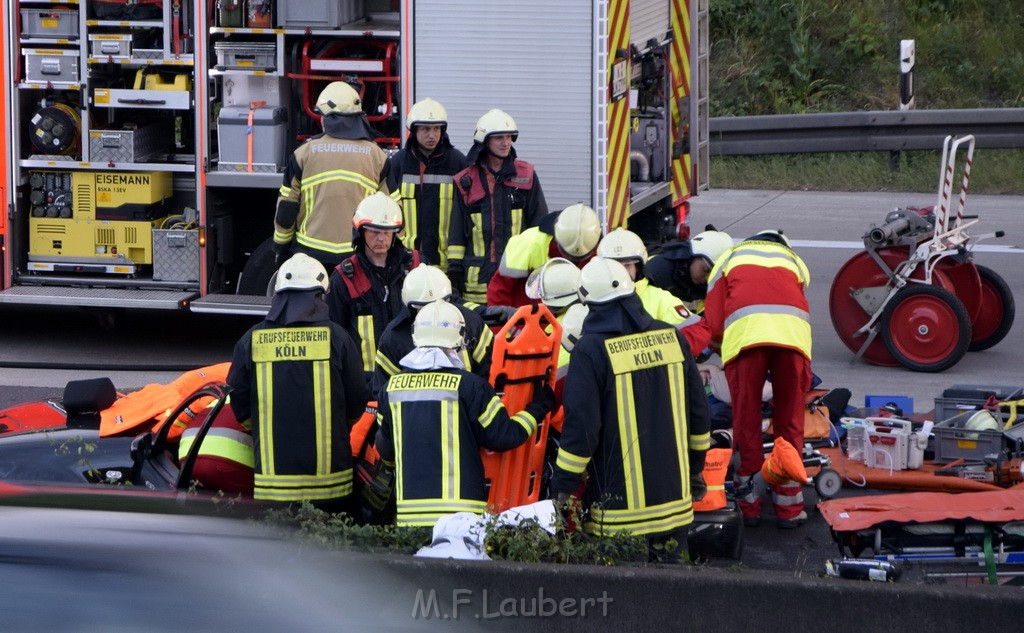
461	535
422	358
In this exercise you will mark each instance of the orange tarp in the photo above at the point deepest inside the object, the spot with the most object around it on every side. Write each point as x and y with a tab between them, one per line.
859	513
856	474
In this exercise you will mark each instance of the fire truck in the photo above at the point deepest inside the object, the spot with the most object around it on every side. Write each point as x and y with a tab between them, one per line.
144	140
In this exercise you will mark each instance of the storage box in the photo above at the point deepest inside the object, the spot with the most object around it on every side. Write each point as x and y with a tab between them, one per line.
51	65
241	90
960	398
953	441
176	255
268	143
128	143
50	23
229	13
717	534
246	56
318	14
113	45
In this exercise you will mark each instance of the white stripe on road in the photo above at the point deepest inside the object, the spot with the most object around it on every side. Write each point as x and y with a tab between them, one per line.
1016	250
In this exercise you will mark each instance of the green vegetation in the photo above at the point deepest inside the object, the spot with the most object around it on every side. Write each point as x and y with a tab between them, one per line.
800	56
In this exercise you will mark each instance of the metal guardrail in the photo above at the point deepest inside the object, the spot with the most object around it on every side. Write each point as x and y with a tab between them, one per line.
864	131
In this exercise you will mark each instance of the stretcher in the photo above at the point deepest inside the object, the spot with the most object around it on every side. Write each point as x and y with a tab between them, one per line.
967	535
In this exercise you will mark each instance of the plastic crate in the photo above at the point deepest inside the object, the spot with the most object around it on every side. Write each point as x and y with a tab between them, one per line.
318	14
953	441
50	23
961	398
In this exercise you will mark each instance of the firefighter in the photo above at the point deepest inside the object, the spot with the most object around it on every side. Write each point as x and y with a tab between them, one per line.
326	178
498	196
423	285
573	233
434	418
635	418
628	249
421	178
297	383
556	284
757	308
366	288
683	267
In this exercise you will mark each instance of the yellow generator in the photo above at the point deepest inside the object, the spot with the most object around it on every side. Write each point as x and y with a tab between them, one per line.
95	221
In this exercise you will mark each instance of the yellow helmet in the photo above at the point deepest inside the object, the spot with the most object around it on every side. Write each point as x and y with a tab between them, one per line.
623	245
603	280
426	112
556	283
301	272
338	98
711	245
439	324
495	122
572	325
577	230
424	284
378	211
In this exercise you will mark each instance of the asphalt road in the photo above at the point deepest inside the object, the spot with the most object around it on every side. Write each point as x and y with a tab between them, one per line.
826	229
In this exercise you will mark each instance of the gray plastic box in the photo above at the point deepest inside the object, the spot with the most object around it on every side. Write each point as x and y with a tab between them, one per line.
953	441
128	143
51	65
318	14
960	398
49	22
175	255
269	139
246	56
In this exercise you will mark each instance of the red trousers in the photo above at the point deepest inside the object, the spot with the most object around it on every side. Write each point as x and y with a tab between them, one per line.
791	379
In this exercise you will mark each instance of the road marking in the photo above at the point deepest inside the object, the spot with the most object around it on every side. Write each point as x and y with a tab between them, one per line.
858	246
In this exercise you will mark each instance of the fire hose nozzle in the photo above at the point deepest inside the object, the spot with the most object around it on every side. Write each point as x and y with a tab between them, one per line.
889	230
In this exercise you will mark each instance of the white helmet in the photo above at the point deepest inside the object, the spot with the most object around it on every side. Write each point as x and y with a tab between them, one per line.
495	122
301	272
711	245
623	245
772	235
439	324
424	284
603	280
427	112
556	283
378	211
577	230
572	325
982	421
338	98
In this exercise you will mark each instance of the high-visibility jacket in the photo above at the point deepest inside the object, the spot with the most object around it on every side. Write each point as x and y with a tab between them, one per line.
225	459
664	306
636	419
298	386
424	186
716	467
364	298
396	342
525	253
489	209
324	181
432	426
756	298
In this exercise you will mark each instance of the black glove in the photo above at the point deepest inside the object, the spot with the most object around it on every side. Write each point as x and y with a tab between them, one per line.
697	486
457	275
543	400
498	314
377	491
281	253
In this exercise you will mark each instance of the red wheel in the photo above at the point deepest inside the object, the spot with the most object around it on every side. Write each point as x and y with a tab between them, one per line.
926	328
861	271
966	284
997	312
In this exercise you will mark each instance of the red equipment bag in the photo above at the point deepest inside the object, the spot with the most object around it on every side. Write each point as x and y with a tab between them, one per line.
127	9
525	351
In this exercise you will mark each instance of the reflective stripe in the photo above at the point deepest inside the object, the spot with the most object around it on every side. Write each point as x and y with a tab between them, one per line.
322	415
426	512
490	412
226	443
517	221
677	396
766	308
483	345
364	326
283	237
302	487
652	520
571	463
397	433
423	395
340	248
449	451
427	179
444	210
629	443
265	400
456	252
525	420
780	498
479	250
344	175
388	367
409	211
284	191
